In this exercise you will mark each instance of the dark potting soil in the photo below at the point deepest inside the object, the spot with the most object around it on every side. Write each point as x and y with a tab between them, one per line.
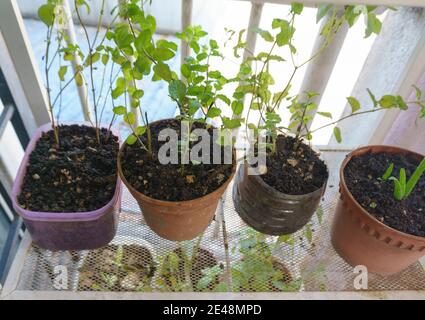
166	181
78	175
362	175
294	171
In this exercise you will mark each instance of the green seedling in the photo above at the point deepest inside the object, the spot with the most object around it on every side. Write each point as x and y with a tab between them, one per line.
387	173
402	187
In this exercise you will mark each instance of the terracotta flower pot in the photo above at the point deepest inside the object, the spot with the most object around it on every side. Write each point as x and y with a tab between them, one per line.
269	211
179	220
360	239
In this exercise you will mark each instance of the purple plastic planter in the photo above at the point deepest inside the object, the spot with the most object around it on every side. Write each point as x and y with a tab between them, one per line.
71	230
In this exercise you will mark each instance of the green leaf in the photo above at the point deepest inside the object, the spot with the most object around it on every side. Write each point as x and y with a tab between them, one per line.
371	8
308	232
255	106
337	134
272	118
403	181
185	70
286	31
319	214
237	107
131	139
138	93
388	101
143	40
311	94
374	25
325	114
213	112
143	65
62	71
130	118
264	34
388	173
312	106
162	43
134	103
46	13
213	44
202	56
231	123
398	195
92	59
297	7
68	56
224	98
177	90
194	106
322	10
195	46
79	79
413	180
401	103
123	38
418	93
162	54
105	59
286	238
149	23
140	130
119	89
354	104
163	71
373	98
84	2
214	74
120	110
351	15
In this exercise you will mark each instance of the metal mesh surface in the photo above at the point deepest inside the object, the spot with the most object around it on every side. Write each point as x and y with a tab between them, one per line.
139	260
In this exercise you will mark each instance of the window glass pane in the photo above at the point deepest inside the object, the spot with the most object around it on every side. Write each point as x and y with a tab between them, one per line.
4	228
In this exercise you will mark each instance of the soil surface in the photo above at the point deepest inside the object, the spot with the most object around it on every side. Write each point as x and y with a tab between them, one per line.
117	268
78	175
362	176
167	181
204	259
294	171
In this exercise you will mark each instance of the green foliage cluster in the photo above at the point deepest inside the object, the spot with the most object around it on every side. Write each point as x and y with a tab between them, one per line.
198	88
257	80
257	269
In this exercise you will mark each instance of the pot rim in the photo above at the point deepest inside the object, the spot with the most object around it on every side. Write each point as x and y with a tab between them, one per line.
343	185
171	203
58	216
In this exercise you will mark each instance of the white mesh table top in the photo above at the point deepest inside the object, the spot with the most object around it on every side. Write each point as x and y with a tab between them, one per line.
314	263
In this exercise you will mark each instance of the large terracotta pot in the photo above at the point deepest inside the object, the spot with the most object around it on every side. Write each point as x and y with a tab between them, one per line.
361	239
179	220
269	211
